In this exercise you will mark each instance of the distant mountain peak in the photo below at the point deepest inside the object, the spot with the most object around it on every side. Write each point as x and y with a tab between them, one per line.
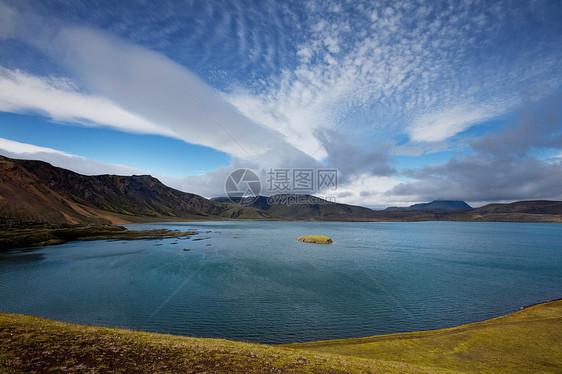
434	205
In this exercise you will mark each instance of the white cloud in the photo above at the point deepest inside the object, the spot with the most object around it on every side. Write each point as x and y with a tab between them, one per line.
210	184
555	159
14	147
295	121
332	45
305	54
58	99
439	126
367	190
78	164
164	92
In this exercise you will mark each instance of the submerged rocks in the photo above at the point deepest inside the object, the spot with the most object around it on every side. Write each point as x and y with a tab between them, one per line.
319	239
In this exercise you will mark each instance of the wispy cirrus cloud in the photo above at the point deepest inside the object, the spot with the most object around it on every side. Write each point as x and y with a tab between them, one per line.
440	126
59	99
14	147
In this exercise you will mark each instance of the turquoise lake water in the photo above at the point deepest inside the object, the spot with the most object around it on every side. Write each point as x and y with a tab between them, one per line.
256	283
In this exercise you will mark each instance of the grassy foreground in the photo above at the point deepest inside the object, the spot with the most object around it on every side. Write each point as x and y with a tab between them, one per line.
529	341
526	341
35	345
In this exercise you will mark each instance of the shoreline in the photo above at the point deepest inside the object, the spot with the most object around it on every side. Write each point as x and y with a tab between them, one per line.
522	341
39	234
523	308
406	335
535	304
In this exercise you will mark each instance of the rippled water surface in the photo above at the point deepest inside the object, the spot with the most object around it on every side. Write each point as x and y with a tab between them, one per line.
255	282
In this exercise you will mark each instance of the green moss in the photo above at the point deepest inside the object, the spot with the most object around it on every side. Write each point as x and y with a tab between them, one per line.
7	356
319	239
525	341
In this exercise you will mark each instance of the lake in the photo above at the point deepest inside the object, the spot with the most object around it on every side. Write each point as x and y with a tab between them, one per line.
255	282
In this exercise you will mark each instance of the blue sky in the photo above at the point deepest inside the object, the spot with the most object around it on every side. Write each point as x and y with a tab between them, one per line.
411	101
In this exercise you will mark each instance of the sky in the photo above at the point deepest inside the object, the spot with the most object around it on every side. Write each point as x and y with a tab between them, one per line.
410	101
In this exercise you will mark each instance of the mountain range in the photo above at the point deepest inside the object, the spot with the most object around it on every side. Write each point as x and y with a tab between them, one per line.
35	191
434	205
305	207
38	191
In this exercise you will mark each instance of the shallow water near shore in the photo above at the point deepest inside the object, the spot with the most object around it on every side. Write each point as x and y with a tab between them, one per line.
255	282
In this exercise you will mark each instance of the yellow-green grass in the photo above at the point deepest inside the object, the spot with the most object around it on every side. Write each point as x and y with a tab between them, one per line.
319	239
528	341
31	344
